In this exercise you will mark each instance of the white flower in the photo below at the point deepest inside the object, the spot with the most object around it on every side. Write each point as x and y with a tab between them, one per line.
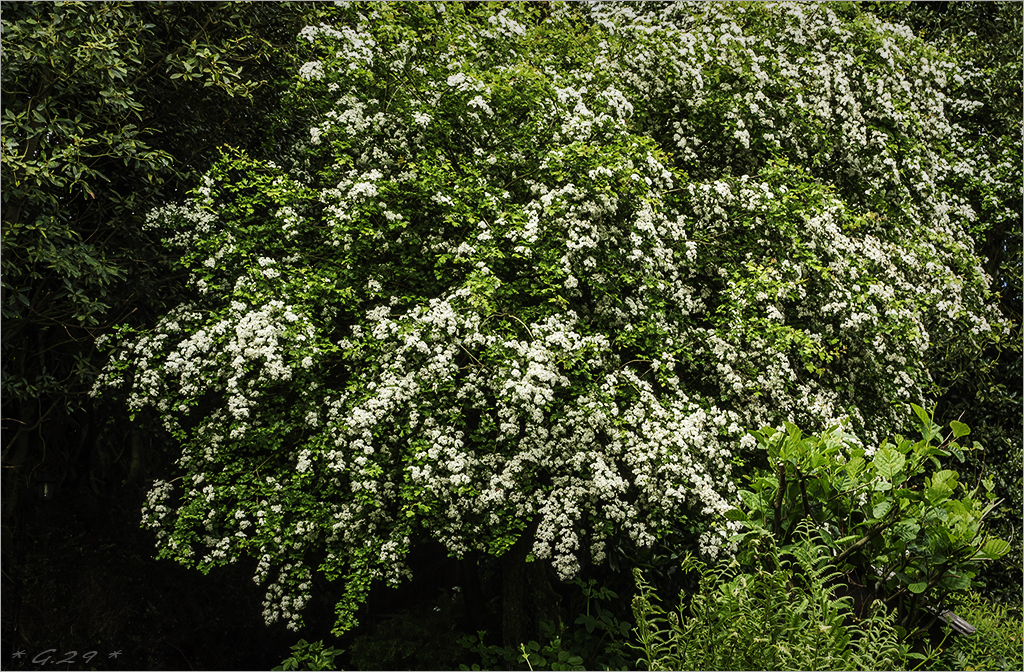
312	70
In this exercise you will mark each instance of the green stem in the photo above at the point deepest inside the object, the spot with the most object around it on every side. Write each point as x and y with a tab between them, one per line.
777	526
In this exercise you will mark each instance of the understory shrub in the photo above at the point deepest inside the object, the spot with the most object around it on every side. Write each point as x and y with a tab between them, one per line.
310	656
896	523
784	612
597	640
996	643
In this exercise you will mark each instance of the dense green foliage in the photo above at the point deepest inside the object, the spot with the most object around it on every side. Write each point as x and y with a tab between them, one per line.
986	37
892	518
995	645
517	278
782	612
95	98
309	656
526	282
109	110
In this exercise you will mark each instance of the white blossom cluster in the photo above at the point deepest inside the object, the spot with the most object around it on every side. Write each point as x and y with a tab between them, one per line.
556	294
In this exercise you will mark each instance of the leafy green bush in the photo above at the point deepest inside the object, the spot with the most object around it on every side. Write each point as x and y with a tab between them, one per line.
995	645
517	286
310	656
909	533
602	641
781	613
547	656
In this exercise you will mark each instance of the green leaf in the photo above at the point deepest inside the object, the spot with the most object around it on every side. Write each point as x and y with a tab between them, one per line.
954	449
906	529
937	494
855	465
993	549
940	486
922	414
917	587
956	583
794	432
881	508
928	428
959	429
751	500
762	483
888	462
735	514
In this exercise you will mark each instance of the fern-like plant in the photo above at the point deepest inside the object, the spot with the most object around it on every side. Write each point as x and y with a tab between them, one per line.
996	643
781	613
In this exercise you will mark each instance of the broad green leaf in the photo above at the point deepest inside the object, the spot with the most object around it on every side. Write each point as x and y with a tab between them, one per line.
956	583
917	587
993	549
955	451
735	514
959	429
906	529
794	432
888	462
929	430
751	500
854	466
939	539
940	486
922	414
881	508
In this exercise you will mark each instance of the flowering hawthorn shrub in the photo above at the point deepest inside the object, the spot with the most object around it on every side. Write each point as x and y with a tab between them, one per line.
533	271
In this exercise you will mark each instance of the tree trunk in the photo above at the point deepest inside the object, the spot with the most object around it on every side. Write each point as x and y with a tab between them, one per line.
472	593
136	469
515	619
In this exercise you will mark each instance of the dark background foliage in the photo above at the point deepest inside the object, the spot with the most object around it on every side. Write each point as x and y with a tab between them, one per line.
109	110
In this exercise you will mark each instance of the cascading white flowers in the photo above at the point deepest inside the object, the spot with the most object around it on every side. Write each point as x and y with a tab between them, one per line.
537	275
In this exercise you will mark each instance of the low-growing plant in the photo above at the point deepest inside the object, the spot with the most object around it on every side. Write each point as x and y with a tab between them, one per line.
602	642
996	642
548	655
783	612
310	656
897	525
599	640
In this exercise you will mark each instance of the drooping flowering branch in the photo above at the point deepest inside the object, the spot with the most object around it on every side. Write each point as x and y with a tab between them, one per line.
544	270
